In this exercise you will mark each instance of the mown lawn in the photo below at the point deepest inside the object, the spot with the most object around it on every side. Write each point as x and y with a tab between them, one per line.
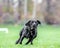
48	37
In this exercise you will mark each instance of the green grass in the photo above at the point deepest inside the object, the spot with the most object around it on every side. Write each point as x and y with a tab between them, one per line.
48	37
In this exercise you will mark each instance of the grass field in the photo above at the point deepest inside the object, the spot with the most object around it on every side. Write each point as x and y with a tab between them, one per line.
48	37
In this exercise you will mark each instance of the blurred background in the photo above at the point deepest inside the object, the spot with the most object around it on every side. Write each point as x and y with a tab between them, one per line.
19	11
15	13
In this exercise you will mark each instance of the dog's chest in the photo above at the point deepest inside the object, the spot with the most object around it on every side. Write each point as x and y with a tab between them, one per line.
32	31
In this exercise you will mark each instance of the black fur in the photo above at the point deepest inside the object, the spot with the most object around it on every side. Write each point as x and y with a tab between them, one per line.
29	31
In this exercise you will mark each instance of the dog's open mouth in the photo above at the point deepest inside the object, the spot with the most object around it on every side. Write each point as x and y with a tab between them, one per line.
33	27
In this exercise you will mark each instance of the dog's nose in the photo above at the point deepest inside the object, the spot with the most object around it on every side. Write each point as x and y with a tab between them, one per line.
34	24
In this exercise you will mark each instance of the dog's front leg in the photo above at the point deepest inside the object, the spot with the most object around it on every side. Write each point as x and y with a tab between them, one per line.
18	41
21	39
30	40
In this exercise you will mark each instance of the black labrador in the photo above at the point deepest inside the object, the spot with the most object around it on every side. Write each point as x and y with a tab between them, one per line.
29	31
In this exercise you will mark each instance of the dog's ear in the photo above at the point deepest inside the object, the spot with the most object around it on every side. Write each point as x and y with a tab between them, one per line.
28	23
38	22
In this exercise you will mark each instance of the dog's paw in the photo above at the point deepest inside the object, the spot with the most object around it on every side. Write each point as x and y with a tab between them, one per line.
31	43
16	43
26	43
20	42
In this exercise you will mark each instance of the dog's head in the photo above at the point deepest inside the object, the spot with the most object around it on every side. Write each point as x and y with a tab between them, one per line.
33	23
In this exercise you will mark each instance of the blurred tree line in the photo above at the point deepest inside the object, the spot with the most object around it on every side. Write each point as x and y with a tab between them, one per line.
19	11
